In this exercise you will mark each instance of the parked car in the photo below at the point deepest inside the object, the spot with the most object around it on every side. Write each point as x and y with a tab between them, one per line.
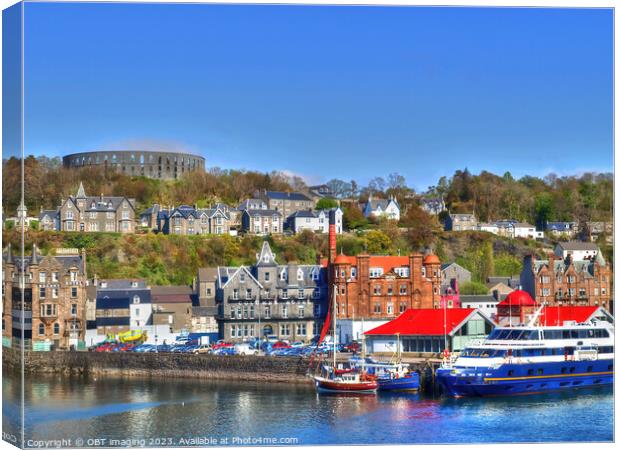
281	344
224	351
245	349
203	348
221	344
352	347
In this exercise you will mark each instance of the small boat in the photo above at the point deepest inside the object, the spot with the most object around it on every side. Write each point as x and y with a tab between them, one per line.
397	377
340	379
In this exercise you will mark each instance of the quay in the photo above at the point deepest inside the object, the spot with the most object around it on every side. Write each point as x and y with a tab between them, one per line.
258	368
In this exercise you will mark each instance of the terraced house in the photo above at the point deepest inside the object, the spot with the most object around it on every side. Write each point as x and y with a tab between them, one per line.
186	220
286	203
54	299
566	281
90	214
289	301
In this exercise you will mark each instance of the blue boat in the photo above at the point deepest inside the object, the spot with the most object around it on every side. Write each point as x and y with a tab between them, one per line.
393	376
532	359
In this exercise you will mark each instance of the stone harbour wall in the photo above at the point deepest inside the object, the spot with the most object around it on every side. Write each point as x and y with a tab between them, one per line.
180	365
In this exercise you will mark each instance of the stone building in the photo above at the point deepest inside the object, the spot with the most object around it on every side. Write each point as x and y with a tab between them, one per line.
461	222
188	220
151	164
204	314
54	299
261	221
172	307
286	203
565	281
91	214
288	301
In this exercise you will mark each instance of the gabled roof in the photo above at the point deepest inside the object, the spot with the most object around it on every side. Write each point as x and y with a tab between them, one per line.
252	203
266	257
227	274
51	213
426	322
444	266
557	315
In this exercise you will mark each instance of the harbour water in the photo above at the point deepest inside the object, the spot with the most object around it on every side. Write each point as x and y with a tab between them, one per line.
113	411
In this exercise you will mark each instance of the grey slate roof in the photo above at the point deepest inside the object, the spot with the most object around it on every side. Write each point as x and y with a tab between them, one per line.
51	213
263	212
277	195
578	245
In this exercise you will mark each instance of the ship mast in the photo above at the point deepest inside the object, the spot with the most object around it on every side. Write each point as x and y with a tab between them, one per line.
335	309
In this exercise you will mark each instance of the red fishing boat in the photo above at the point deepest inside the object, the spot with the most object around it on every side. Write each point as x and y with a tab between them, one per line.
340	379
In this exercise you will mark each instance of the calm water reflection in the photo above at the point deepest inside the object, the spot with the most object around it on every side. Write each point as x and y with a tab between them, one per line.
60	407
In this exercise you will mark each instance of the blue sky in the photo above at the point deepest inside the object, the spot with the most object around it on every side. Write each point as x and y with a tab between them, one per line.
347	92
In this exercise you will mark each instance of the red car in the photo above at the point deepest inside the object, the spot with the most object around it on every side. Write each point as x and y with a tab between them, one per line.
280	344
221	344
353	347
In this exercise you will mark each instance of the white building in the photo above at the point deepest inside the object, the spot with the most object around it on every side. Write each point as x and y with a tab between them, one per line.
317	221
349	330
382	208
579	251
488	227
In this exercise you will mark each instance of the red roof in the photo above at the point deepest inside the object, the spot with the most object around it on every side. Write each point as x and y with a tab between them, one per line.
518	298
557	315
423	322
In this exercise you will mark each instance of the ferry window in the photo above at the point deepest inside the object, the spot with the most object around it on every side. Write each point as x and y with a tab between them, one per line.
589	369
565	334
494	334
540	371
563	369
517	352
503	334
583	333
511	373
530	372
610	367
514	335
574	334
532	335
572	370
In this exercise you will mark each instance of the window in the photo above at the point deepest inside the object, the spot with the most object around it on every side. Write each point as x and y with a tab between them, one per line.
136	299
403	289
73	292
55	277
74	309
285	311
353	272
42	292
376	272
267	312
285	329
301	294
242	277
56	328
55	292
390	308
284	293
377	289
301	312
267	274
41	329
41	277
301	329
300	275
316	293
402	308
248	294
377	309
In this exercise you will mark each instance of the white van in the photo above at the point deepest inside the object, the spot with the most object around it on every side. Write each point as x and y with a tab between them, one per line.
245	349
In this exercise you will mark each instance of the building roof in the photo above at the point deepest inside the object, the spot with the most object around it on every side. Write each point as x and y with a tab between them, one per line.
560	226
518	298
171	290
278	195
578	245
488	298
121	283
51	213
425	322
263	212
557	315
431	259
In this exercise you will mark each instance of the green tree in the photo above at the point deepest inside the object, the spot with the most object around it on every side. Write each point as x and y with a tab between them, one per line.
326	203
473	288
377	242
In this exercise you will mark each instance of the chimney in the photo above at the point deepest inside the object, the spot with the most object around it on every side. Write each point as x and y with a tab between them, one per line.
332	236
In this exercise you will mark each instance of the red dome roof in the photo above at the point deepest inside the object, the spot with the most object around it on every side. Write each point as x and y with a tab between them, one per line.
431	259
341	259
518	298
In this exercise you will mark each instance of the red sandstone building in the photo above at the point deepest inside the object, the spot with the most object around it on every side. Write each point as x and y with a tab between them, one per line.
382	287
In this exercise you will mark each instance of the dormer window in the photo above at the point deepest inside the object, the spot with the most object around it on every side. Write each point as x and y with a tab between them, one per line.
283	275
103	284
134	284
93	205
136	299
300	275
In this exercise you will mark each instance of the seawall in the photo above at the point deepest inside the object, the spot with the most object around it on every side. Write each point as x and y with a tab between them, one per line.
178	365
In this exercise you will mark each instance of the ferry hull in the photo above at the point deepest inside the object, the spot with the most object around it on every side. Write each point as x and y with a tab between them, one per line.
520	379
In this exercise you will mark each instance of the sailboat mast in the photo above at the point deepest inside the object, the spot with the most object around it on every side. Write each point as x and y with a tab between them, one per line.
335	308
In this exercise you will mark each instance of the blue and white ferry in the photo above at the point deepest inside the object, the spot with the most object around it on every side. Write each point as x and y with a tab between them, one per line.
532	359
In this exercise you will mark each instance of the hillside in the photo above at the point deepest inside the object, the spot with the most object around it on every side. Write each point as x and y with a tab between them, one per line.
163	259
